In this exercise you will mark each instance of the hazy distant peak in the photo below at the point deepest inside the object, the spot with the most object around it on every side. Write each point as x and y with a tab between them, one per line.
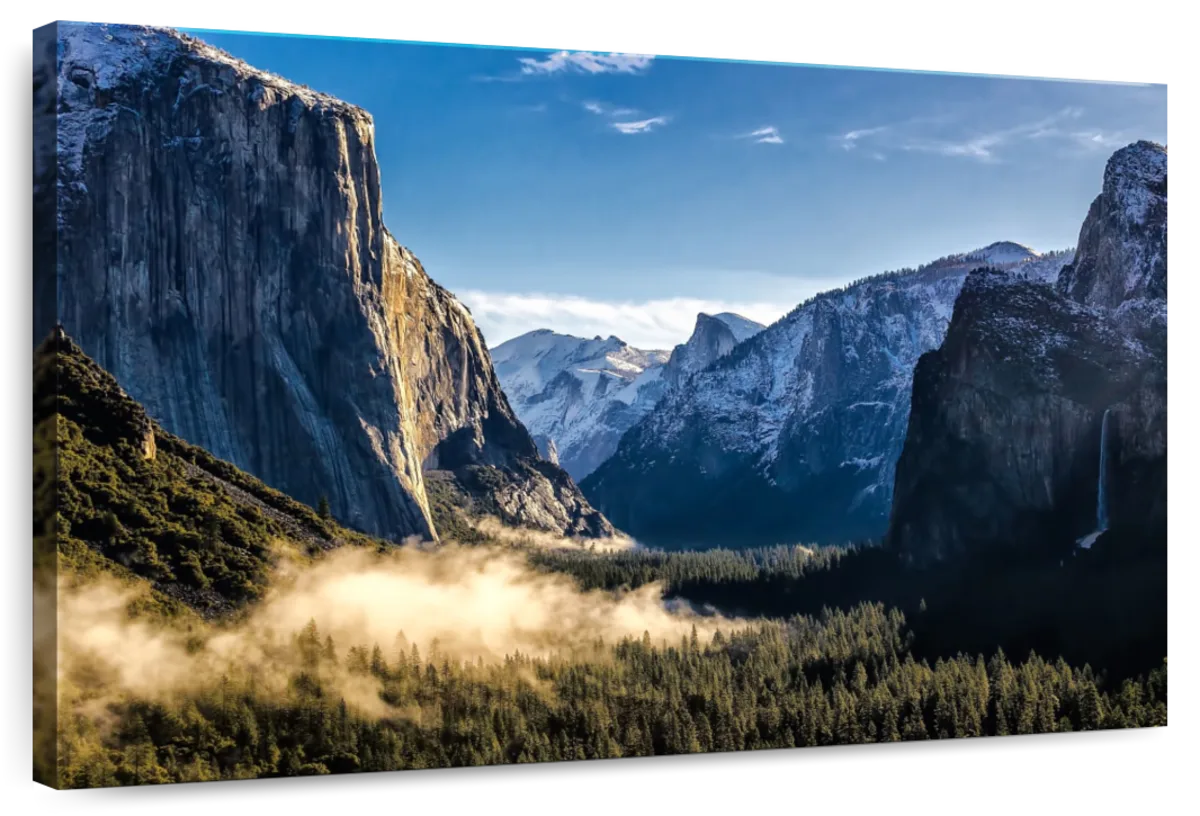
1004	252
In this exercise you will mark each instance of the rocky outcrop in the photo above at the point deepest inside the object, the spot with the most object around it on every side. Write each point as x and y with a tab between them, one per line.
794	434
546	448
221	250
713	337
1003	447
581	396
1121	258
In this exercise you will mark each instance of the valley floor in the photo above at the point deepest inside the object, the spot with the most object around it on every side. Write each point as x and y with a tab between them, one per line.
841	678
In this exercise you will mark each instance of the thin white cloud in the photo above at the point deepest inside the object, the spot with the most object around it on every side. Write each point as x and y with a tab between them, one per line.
585	62
646	324
764	135
641	126
980	147
850	140
915	135
983	146
605	109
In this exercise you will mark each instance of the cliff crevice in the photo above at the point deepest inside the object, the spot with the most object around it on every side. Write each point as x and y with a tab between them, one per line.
221	251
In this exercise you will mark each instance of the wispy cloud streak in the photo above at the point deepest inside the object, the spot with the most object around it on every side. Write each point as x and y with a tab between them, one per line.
928	135
764	135
585	62
640	126
572	62
605	109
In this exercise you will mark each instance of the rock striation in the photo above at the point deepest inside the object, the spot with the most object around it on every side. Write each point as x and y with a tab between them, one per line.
220	249
1004	445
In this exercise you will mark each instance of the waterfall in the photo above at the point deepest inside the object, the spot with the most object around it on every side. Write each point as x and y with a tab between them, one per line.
1101	490
1102	487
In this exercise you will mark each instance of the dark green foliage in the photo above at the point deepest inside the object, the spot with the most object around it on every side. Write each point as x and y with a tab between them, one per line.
119	494
116	493
684	568
453	510
834	679
1103	606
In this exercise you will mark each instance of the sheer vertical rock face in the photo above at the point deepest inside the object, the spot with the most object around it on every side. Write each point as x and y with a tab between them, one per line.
1004	433
221	251
793	434
45	176
1121	259
712	338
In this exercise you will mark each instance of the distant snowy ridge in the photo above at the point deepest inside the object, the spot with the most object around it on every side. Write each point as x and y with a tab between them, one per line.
742	328
579	396
796	431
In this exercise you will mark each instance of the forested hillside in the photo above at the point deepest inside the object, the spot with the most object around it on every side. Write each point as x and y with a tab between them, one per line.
123	496
841	678
1101	606
172	696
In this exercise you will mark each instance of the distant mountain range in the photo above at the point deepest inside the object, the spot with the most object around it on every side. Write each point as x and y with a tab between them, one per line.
578	397
794	434
310	348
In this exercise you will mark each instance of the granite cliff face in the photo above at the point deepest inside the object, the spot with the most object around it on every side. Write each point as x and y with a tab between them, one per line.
45	175
220	250
793	435
579	397
713	337
1007	438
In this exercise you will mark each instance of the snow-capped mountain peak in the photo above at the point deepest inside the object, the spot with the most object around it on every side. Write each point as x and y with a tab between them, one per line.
1136	177
743	328
1122	257
713	338
793	435
582	395
578	395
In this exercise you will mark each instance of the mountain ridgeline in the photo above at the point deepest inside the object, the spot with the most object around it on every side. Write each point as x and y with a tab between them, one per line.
221	232
248	396
1042	418
793	435
578	397
115	493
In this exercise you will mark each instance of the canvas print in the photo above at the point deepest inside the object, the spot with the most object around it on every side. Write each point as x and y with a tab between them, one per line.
404	406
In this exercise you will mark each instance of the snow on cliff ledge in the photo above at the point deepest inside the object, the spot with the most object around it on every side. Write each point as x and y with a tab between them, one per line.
1002	253
95	58
1137	177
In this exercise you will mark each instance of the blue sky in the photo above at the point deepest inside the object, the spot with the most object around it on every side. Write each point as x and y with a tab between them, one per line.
621	194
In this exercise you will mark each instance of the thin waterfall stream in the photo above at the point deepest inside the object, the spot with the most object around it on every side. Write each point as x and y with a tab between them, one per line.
1101	489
